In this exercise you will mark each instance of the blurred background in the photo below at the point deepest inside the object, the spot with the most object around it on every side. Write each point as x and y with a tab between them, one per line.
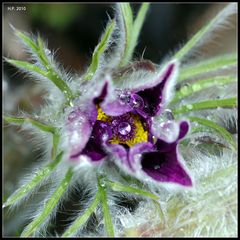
74	30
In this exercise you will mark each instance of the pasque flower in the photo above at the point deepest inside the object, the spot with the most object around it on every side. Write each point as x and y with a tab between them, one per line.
119	122
117	129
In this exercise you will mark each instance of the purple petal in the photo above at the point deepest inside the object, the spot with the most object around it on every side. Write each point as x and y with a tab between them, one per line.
165	164
115	108
78	131
103	94
101	133
82	121
165	167
120	154
157	94
136	152
116	103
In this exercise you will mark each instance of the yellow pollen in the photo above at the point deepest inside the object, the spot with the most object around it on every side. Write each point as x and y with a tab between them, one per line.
140	134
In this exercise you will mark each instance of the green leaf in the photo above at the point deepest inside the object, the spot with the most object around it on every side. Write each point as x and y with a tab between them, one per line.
101	47
27	40
39	125
159	210
49	206
39	49
137	25
27	66
50	74
222	131
38	177
74	227
106	212
124	188
224	103
127	15
56	140
200	34
207	66
201	85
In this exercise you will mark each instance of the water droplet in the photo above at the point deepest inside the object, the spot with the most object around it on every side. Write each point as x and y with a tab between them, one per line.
189	106
103	183
166	115
137	157
72	116
124	98
169	130
105	137
196	87
156	167
136	101
184	90
124	128
47	52
154	139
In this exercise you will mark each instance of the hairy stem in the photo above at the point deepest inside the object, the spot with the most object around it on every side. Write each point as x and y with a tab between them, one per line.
37	179
49	206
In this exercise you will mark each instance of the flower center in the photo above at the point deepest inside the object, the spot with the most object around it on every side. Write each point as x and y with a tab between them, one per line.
127	129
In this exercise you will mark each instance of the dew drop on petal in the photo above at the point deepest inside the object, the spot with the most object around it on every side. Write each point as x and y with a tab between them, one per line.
105	137
124	98
166	115
136	101
156	167
72	116
168	130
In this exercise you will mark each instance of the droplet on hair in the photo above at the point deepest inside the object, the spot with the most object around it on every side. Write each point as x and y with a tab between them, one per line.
47	51
189	106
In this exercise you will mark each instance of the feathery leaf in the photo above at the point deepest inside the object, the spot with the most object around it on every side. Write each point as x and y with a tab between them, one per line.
49	206
200	85
38	178
225	103
222	131
207	66
101	47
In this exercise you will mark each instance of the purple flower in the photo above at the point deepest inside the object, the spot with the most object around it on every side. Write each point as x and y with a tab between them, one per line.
121	123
